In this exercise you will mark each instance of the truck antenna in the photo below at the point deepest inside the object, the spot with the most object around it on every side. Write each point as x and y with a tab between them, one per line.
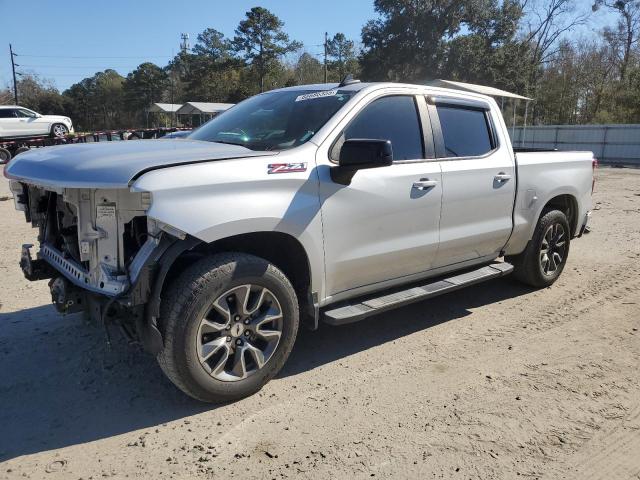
348	80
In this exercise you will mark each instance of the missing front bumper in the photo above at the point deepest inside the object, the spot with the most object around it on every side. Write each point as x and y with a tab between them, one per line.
51	262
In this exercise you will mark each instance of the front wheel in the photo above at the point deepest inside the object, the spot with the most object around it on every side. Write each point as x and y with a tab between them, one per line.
58	130
546	254
229	324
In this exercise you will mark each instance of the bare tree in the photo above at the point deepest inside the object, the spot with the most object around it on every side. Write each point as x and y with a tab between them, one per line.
547	22
625	36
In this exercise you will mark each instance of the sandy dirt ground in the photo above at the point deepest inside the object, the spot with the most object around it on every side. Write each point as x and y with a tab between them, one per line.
495	381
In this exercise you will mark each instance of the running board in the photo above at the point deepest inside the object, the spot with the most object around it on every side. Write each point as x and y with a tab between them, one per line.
374	305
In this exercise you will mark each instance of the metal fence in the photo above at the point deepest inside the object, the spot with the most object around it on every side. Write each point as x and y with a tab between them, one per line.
612	144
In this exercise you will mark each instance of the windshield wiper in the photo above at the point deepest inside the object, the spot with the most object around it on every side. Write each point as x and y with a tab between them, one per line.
230	143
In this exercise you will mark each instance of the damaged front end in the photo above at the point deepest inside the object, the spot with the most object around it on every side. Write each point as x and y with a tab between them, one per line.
103	255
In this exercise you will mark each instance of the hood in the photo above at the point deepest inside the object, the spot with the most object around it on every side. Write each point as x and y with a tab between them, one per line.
56	118
114	164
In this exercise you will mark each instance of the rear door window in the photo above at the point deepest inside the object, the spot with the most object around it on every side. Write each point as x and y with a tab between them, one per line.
7	113
465	131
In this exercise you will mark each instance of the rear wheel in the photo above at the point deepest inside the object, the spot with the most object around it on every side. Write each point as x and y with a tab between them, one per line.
5	156
59	130
543	260
229	324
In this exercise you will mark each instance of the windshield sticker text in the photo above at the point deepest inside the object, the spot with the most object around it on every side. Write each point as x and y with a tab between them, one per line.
312	96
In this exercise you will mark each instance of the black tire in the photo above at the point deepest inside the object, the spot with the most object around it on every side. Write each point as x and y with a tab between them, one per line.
186	303
5	156
22	149
59	130
529	267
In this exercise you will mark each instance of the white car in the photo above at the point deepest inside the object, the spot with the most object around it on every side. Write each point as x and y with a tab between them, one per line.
16	121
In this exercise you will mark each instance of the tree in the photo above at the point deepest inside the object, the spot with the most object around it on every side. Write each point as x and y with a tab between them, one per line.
262	41
489	52
213	45
548	21
213	70
97	101
145	85
32	89
407	42
109	97
308	70
628	28
342	52
6	96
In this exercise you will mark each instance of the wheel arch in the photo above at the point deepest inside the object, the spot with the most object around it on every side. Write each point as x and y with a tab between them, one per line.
281	249
527	217
567	204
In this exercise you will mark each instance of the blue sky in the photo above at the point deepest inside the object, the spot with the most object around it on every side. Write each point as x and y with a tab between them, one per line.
148	30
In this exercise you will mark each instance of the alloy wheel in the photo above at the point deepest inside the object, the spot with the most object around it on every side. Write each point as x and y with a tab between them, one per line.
59	130
239	333
553	249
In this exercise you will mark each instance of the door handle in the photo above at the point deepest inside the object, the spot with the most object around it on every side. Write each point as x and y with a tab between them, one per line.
425	184
502	177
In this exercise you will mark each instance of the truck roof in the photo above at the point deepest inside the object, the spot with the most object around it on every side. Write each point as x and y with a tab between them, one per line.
356	87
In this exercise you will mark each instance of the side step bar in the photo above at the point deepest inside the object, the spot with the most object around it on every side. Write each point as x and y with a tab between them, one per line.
354	312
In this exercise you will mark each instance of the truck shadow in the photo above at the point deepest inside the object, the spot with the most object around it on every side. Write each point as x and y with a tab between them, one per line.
61	386
327	344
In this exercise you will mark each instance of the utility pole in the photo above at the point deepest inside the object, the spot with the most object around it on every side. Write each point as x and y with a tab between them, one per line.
184	44
13	68
326	39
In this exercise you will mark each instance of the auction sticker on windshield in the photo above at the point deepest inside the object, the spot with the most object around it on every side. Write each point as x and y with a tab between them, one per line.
314	95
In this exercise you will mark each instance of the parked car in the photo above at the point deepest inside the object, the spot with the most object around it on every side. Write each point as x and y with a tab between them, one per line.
18	122
310	203
177	134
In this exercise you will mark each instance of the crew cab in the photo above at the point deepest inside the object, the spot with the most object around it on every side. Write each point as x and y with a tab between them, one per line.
17	122
312	203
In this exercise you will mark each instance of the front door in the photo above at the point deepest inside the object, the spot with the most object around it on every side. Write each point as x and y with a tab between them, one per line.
30	124
384	224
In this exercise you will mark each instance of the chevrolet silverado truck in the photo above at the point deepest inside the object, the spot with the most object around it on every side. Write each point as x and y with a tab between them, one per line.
330	202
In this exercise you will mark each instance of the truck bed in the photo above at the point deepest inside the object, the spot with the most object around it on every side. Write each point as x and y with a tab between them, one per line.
544	174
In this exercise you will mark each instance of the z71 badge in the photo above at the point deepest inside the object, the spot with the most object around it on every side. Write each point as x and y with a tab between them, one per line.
286	167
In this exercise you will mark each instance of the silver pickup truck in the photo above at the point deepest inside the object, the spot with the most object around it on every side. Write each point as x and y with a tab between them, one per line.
318	202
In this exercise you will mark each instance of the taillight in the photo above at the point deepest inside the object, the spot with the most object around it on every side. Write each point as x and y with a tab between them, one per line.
594	166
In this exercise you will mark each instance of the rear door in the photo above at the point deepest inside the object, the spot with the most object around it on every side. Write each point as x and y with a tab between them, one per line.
478	181
8	122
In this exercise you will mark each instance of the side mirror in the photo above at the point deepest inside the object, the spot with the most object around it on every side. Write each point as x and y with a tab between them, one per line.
365	153
360	153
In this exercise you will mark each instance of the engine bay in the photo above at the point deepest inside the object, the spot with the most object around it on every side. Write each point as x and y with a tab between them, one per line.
90	236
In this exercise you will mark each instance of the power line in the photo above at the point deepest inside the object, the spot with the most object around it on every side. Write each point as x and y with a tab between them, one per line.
76	66
77	75
92	56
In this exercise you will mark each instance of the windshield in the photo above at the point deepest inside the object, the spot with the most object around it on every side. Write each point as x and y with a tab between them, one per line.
274	121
